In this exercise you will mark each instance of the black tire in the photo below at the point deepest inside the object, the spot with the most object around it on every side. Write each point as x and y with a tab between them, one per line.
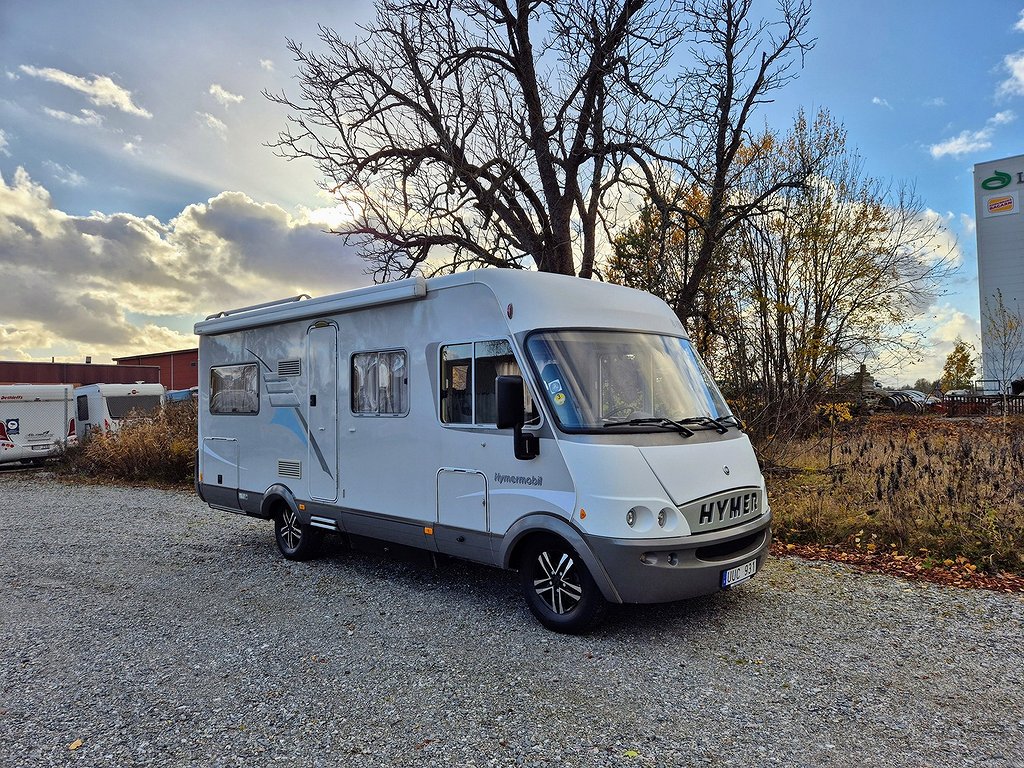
558	588
295	539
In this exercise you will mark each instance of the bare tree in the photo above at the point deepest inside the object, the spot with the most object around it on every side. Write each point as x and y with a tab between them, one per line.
512	133
1003	339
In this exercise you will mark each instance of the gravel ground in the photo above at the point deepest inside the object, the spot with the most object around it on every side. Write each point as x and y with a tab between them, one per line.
159	632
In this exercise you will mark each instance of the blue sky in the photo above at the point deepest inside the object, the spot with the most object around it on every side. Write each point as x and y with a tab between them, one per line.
137	194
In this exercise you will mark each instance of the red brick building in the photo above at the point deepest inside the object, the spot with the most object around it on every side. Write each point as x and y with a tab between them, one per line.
178	369
77	374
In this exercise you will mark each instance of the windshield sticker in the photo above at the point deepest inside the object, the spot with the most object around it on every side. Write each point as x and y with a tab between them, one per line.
560	398
554	386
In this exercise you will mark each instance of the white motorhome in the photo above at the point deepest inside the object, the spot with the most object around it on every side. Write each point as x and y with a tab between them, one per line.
36	421
101	407
565	428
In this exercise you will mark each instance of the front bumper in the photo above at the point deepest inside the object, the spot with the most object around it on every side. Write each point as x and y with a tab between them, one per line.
668	569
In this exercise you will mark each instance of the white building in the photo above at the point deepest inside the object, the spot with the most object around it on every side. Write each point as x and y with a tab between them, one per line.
998	196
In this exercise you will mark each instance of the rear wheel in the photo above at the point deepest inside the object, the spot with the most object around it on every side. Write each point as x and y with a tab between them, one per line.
295	539
558	588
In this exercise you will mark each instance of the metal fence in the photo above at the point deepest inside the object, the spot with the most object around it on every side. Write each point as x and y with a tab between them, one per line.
984	405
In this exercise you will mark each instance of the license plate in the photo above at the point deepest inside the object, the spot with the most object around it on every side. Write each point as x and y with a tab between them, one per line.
740	573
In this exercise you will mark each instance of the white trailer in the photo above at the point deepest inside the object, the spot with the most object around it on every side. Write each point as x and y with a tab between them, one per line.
565	428
101	407
36	421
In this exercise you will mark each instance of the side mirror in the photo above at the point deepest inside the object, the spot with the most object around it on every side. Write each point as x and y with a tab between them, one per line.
508	392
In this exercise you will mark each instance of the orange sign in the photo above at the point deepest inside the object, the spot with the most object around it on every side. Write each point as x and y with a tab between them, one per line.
1001	204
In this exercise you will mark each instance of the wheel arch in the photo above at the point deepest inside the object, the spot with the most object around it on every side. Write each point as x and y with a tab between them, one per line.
539	525
276	495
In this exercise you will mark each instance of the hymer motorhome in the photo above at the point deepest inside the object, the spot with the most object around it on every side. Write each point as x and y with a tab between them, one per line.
561	427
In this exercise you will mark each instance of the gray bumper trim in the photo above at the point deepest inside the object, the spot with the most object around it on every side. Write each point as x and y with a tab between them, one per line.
665	570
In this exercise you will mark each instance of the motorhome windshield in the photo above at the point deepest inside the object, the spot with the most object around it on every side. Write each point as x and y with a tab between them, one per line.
595	379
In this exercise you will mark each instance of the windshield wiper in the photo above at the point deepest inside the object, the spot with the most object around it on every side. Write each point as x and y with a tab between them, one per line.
719	425
653	421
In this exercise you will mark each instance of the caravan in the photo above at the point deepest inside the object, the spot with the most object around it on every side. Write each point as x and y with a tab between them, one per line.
561	427
36	421
100	407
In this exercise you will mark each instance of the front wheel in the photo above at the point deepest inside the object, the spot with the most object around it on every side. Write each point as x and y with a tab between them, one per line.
295	539
558	588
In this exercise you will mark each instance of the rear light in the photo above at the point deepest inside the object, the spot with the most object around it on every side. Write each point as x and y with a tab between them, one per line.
71	428
3	430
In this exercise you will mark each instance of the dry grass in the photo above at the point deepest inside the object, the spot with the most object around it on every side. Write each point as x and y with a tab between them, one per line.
153	449
925	486
928	486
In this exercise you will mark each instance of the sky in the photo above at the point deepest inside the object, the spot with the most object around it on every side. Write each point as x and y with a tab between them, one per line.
137	193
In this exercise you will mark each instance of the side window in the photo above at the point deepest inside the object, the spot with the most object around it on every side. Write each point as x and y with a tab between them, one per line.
235	389
456	384
83	407
493	358
468	372
380	383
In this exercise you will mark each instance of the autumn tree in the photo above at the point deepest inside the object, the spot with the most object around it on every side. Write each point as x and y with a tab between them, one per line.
656	253
959	371
832	274
514	133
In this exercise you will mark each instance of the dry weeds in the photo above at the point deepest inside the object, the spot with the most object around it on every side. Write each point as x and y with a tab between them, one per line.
932	488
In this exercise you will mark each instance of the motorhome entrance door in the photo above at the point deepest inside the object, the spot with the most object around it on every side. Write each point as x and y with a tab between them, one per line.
322	412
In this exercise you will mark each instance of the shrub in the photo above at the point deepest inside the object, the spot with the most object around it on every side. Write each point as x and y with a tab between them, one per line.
156	448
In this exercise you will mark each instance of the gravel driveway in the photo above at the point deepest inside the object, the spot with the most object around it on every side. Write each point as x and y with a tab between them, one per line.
159	632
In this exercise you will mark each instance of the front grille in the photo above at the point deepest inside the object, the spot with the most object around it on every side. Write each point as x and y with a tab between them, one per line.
289	469
729	549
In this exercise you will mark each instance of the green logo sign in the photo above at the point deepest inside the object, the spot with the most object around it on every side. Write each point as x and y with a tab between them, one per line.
996	181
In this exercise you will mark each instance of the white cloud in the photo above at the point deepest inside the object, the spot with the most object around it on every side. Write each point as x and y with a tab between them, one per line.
4	144
941	329
73	283
972	141
225	97
131	148
11	75
267	64
1014	84
65	174
964	143
968	224
216	125
1019	26
100	89
85	116
881	102
938	101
